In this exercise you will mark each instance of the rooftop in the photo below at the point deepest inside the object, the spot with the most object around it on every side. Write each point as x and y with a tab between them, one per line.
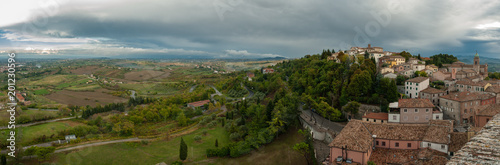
380	116
415	103
484	148
472	83
493	89
490	110
398	131
467	96
418	79
355	136
199	103
432	90
458	140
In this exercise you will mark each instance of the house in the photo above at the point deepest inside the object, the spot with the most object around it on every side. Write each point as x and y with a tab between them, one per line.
461	106
197	104
482	148
418	67
428	72
267	70
386	70
471	86
432	94
399	60
398	68
441	75
432	67
375	118
485	113
360	141
415	85
494	90
70	137
250	75
407	73
390	75
20	97
413	111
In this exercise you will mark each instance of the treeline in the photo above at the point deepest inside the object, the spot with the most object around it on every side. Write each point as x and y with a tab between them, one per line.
89	111
441	59
494	75
324	83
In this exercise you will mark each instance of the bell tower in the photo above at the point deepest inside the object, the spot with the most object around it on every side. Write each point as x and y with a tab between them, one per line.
476	63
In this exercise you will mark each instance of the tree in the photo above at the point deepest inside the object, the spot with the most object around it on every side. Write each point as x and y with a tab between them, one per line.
4	159
367	55
183	150
44	153
181	119
352	107
303	148
371	162
216	143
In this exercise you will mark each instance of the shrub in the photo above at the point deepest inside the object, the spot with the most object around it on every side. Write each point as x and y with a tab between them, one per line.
212	124
218	152
235	136
197	138
204	132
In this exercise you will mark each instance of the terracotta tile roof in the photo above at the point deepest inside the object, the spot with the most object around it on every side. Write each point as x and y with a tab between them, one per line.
415	103
469	71
432	90
380	116
398	156
355	136
199	103
472	83
493	89
437	134
458	140
417	79
490	110
445	123
484	148
412	132
467	96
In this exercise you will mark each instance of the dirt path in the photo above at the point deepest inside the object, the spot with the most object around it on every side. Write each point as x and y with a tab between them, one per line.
40	122
98	144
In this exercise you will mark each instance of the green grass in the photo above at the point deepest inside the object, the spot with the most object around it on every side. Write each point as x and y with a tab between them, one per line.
41	92
32	132
280	151
155	152
84	88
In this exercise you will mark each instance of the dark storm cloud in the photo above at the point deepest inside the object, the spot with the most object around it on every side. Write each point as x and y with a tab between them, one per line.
289	28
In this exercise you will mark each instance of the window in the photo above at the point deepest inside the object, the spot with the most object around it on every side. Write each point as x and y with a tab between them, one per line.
417	84
376	143
416	89
487	120
409	145
427	110
416	110
397	144
394	117
426	117
405	110
428	144
437	117
442	147
383	143
382	121
374	120
465	110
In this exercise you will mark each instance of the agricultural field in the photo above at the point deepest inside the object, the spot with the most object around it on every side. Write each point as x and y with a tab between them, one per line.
155	152
155	88
100	96
146	75
28	134
250	65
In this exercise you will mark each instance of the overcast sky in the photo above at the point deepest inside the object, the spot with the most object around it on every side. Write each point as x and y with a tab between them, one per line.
244	28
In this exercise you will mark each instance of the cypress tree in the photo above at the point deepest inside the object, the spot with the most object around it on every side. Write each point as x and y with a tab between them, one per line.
183	150
4	158
216	143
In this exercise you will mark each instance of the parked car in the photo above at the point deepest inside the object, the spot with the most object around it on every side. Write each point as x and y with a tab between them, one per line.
349	160
339	160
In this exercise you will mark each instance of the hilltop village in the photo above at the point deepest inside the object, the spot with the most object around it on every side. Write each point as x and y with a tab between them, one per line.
447	114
